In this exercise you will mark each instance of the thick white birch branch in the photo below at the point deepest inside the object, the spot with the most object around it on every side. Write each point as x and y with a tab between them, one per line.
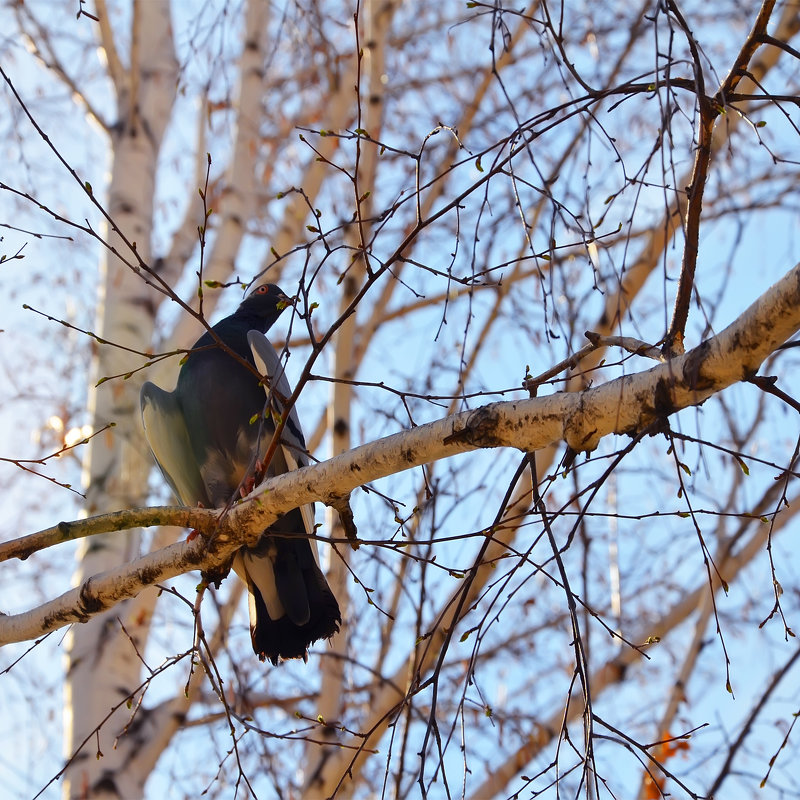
626	405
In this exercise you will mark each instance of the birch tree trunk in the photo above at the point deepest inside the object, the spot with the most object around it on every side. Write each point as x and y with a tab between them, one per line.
103	664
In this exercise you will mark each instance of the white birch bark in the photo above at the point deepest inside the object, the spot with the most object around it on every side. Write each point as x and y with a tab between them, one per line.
239	196
102	667
378	23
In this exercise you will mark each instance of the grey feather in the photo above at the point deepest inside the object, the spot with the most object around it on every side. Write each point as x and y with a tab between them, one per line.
166	433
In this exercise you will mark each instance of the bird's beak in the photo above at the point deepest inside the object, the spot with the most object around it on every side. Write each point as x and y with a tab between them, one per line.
284	301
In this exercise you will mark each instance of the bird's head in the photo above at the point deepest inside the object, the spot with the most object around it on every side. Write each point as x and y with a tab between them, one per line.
266	300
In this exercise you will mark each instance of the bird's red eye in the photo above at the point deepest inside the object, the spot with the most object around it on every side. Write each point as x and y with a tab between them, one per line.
262	290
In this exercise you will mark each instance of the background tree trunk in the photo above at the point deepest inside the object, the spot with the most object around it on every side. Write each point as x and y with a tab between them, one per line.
103	658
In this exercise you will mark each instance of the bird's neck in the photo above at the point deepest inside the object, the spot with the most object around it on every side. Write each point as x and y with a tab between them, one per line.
250	320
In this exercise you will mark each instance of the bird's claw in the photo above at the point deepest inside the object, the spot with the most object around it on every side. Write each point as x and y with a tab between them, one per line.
250	482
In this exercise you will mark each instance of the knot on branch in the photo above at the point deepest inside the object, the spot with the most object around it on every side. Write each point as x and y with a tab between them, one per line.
88	602
579	432
693	368
341	504
480	429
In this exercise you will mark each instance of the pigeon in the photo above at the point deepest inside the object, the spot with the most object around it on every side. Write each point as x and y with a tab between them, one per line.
209	437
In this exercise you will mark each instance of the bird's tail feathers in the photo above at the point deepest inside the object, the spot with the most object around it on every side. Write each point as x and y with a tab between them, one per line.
276	639
291	604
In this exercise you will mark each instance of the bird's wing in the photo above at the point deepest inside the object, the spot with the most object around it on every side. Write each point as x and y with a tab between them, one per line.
293	443
165	429
285	587
269	365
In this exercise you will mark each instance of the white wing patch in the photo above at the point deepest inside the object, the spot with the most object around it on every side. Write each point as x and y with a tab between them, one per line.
168	438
